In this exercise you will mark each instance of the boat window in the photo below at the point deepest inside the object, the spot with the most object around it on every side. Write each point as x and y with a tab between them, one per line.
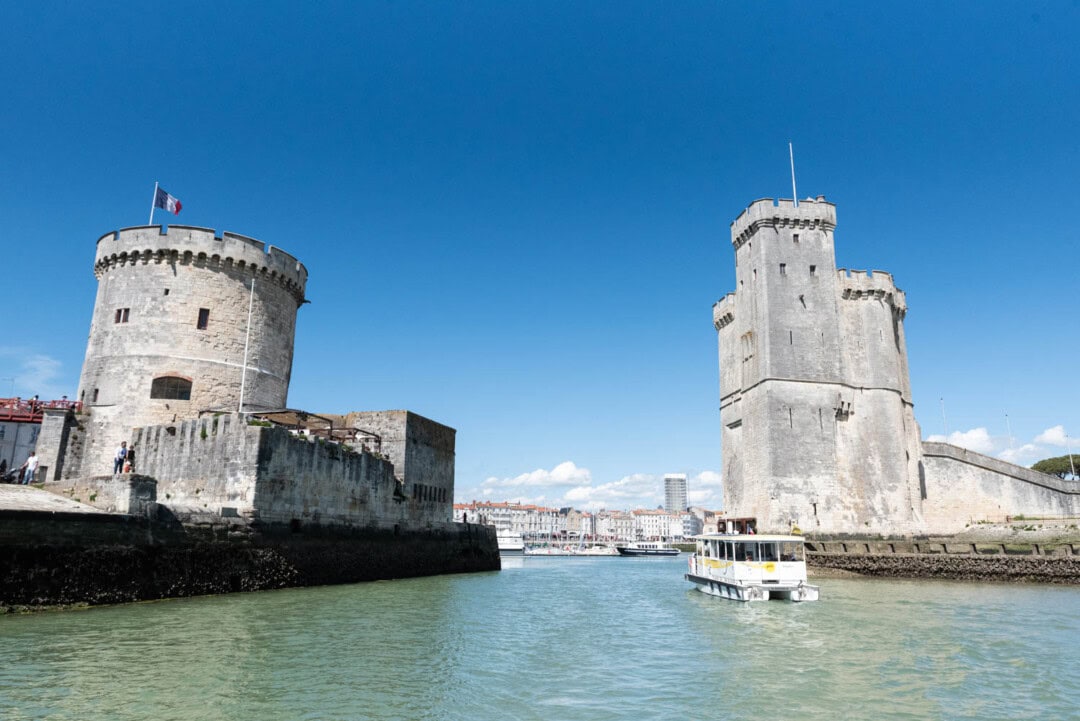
725	550
791	551
745	551
767	552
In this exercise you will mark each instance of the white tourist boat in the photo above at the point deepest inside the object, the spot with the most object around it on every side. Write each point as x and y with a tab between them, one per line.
548	549
648	548
510	542
596	551
751	568
581	549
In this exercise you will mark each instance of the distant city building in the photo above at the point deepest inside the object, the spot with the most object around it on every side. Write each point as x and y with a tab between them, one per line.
540	522
675	492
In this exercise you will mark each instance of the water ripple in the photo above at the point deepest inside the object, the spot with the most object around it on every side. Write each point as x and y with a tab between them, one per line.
564	639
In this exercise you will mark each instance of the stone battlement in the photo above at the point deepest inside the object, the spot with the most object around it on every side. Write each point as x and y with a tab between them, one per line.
203	246
769	213
873	285
724	311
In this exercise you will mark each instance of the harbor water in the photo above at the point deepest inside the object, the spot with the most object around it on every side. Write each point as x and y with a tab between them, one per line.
554	638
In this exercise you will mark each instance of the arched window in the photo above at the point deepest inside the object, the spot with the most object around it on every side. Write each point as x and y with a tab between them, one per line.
172	388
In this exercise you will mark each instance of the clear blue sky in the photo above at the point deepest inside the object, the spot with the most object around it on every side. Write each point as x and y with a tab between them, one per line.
515	214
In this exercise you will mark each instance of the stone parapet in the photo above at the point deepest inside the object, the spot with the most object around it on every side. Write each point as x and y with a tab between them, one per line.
995	465
769	213
875	285
203	247
724	311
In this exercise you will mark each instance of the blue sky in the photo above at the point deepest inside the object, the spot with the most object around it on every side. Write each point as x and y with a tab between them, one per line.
515	215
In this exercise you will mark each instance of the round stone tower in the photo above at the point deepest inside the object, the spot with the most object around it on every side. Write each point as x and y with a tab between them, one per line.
178	312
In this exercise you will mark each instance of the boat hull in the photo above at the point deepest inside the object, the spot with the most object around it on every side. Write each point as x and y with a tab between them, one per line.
740	591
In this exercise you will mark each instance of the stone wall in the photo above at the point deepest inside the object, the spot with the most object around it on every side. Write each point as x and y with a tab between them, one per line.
221	466
53	559
422	452
1058	568
964	487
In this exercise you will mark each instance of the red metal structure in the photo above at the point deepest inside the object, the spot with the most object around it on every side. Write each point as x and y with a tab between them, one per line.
30	411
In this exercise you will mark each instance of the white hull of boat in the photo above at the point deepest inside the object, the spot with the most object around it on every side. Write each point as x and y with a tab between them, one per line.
738	591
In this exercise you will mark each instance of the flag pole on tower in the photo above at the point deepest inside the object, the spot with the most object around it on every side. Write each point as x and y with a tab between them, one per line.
791	154
153	203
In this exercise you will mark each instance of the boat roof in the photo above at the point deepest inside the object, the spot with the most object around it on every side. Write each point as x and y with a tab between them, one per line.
745	537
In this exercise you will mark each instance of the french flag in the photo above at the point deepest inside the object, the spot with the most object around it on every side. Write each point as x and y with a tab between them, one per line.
166	202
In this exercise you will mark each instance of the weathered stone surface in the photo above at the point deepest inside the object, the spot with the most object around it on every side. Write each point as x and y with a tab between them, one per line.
817	423
1013	568
158	280
102	558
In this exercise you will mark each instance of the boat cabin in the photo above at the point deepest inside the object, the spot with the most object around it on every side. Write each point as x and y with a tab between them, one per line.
751	558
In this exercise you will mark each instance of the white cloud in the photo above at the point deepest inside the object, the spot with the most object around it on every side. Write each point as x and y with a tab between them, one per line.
1025	455
27	374
564	474
977	439
1055	436
705	478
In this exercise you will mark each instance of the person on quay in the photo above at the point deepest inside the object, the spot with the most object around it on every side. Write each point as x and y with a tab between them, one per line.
29	467
118	459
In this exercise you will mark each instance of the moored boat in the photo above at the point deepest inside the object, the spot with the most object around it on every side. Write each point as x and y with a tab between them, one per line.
747	567
510	543
548	550
648	548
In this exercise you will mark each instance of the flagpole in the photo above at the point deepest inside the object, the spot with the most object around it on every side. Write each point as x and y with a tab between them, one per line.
247	336
153	202
791	154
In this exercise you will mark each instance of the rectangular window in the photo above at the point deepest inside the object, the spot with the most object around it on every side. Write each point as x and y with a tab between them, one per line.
166	291
204	318
783	269
93	398
813	270
795	237
122	315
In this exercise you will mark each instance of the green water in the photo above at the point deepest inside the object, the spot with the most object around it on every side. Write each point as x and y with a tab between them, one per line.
554	638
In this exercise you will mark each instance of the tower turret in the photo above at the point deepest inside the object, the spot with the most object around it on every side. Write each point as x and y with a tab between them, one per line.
815	408
178	310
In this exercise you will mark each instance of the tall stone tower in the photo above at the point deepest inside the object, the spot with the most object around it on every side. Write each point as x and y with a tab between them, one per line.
817	424
174	319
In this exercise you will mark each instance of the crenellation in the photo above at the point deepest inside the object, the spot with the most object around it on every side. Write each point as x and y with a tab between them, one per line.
812	213
189	245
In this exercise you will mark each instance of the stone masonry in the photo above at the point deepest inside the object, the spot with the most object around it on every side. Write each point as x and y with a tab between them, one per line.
817	423
174	319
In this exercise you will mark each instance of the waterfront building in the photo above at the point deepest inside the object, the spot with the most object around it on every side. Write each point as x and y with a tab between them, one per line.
691	524
657	525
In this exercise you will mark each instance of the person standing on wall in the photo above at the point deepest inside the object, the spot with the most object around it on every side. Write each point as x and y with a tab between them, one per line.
129	459
30	466
118	459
